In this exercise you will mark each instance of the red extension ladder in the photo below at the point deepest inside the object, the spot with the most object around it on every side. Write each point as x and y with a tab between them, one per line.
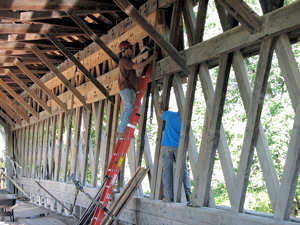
121	149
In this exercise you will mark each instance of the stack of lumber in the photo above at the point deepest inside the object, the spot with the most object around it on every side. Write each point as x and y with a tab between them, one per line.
125	195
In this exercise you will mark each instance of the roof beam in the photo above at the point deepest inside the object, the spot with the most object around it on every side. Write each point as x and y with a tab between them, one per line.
6	118
80	66
34	15
29	92
40	84
34	36
131	11
36	28
40	5
14	106
10	112
243	13
92	35
60	76
19	99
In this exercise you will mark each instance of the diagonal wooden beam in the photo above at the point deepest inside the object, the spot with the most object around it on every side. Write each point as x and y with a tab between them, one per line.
243	13
252	127
19	99
29	92
9	111
131	11
14	106
6	118
92	35
40	84
212	134
188	105
68	54
234	39
60	76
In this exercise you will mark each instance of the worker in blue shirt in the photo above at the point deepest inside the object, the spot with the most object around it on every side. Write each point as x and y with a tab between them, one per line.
169	145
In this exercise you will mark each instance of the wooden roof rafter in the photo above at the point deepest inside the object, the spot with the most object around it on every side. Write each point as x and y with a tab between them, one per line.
19	99
6	118
243	13
66	52
28	91
45	5
14	106
40	84
10	112
61	77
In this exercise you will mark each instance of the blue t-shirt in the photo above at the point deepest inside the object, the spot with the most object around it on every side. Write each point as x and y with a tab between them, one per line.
172	129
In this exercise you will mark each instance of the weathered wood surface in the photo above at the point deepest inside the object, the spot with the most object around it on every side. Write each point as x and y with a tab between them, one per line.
158	211
279	21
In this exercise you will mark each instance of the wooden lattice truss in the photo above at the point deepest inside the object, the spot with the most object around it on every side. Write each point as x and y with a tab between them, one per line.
276	30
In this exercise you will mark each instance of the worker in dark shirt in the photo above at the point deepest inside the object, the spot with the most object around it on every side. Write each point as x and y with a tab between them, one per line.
128	82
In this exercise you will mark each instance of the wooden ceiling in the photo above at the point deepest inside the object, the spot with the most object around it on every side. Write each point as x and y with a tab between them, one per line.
37	24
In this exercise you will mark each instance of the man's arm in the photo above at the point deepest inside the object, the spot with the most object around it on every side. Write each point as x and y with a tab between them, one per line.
137	66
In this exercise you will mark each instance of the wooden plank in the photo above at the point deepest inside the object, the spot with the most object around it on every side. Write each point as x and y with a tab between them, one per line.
70	56
105	151
289	67
157	169
9	111
92	35
131	11
36	28
68	144
27	152
28	91
31	150
115	117
60	76
243	13
263	151
251	131
290	173
75	144
41	150
59	149
160	212
53	147
40	84
98	115
14	106
207	157
87	119
19	99
46	150
234	39
44	5
142	127
188	105
35	147
7	119
41	15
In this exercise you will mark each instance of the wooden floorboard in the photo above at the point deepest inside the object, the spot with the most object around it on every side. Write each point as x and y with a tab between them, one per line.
25	209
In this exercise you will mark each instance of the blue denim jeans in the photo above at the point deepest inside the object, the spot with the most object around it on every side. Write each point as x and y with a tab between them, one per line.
128	96
169	157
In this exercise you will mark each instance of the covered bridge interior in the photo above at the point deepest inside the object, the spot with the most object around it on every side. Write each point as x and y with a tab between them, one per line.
59	87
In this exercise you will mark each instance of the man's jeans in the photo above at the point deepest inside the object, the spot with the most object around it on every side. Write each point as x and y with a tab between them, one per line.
128	97
169	157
